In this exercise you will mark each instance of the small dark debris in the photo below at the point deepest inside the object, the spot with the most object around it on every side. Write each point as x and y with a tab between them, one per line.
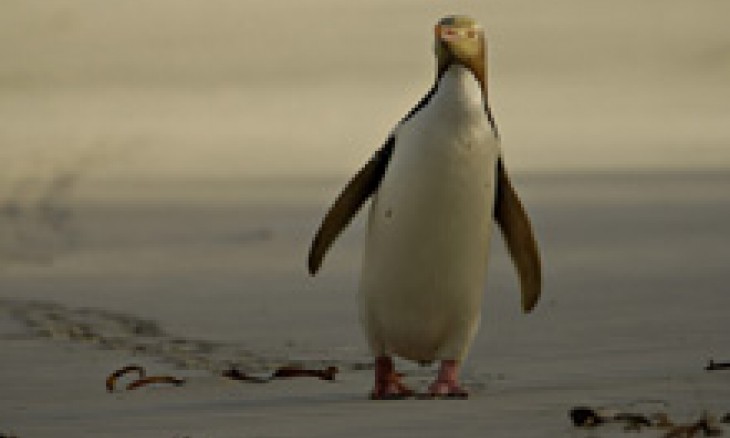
142	379
113	377
234	374
717	366
585	417
633	421
284	372
707	424
155	379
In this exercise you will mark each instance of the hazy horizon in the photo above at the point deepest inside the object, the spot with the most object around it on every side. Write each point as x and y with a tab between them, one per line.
193	89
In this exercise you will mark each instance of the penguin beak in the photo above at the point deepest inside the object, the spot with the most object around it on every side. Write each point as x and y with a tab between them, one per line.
461	44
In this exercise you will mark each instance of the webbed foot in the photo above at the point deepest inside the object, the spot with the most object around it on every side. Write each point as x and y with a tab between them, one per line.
388	385
447	383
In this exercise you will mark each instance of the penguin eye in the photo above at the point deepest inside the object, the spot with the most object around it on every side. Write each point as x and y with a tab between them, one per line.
448	32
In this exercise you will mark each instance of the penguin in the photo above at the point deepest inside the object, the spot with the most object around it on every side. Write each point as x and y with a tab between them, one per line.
436	186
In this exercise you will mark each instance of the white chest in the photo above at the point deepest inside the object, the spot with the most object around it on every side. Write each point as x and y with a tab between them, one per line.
429	227
446	152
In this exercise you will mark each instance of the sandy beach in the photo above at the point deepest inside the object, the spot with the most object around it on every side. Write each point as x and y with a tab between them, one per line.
634	308
164	165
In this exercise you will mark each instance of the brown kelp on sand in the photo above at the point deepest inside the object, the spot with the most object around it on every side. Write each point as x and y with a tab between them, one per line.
707	424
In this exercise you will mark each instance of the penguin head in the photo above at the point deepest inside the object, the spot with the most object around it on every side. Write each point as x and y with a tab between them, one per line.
460	40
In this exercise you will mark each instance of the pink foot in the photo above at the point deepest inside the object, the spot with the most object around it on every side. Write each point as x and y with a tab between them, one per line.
387	382
447	384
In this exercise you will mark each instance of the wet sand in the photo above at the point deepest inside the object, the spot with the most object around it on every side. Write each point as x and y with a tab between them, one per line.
634	307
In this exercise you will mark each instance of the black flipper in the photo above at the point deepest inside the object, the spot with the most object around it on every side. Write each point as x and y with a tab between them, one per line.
346	206
515	225
357	191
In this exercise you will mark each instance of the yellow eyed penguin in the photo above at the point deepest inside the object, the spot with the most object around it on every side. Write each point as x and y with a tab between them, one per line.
436	183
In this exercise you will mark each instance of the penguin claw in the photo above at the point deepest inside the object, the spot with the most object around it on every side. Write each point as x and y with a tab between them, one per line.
392	390
388	385
389	396
446	390
451	396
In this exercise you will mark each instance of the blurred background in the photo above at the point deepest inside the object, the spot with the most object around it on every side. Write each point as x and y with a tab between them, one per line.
231	89
172	158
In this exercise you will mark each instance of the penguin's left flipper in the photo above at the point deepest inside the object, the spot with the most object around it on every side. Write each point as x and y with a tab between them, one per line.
346	206
515	225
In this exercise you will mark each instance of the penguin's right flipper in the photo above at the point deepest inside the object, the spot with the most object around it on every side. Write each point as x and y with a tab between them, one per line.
512	218
346	206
